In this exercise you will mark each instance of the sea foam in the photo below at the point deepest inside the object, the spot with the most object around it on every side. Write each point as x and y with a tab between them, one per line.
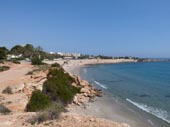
154	111
101	85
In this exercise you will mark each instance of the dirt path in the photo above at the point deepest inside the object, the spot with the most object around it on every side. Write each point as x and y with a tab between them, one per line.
15	72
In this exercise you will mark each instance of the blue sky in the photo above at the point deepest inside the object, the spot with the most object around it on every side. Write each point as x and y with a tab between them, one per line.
110	27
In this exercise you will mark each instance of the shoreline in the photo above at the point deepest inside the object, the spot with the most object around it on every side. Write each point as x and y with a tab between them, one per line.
72	65
134	115
21	93
111	109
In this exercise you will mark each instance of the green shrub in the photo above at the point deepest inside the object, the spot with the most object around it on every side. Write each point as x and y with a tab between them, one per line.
43	67
36	60
4	110
38	69
30	73
19	59
4	68
56	65
33	71
1	62
15	61
58	86
38	102
3	53
7	90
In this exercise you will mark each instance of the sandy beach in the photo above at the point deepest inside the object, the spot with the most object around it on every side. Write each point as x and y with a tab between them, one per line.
73	65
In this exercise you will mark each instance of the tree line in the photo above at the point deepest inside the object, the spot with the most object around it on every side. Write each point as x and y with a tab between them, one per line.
35	54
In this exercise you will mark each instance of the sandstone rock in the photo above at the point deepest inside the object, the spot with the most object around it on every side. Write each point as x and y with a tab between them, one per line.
85	94
99	93
75	100
28	84
33	84
85	90
74	84
78	80
84	83
28	92
39	87
84	99
36	76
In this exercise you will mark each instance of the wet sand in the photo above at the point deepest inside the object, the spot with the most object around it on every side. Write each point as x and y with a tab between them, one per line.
114	109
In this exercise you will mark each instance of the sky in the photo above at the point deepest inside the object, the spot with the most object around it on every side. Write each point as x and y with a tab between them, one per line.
138	28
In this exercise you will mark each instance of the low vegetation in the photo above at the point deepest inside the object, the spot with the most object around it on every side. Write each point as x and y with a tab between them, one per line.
39	68
4	110
4	68
58	86
3	53
38	102
104	57
56	94
15	61
55	65
2	62
7	90
36	60
51	113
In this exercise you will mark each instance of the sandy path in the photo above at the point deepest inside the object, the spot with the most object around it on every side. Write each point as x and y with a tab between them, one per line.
15	72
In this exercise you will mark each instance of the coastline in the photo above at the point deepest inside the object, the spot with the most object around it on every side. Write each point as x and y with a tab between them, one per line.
106	111
73	66
112	108
22	92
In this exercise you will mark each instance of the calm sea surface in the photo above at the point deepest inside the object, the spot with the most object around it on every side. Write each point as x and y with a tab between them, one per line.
145	85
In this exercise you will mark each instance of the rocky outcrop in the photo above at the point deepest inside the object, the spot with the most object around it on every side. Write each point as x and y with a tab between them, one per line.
87	92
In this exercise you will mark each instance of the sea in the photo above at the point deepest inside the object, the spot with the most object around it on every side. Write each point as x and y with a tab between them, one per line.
145	85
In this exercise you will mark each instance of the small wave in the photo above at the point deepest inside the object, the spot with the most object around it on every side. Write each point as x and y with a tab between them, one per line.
101	85
154	111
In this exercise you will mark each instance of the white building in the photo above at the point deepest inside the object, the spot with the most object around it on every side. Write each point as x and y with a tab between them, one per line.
10	56
69	55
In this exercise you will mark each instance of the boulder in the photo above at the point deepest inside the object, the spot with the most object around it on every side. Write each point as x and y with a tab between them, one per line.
75	100
74	84
78	80
84	83
99	94
39	87
84	99
85	94
85	90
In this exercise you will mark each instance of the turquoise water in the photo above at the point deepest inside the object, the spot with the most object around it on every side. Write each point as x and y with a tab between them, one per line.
145	85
